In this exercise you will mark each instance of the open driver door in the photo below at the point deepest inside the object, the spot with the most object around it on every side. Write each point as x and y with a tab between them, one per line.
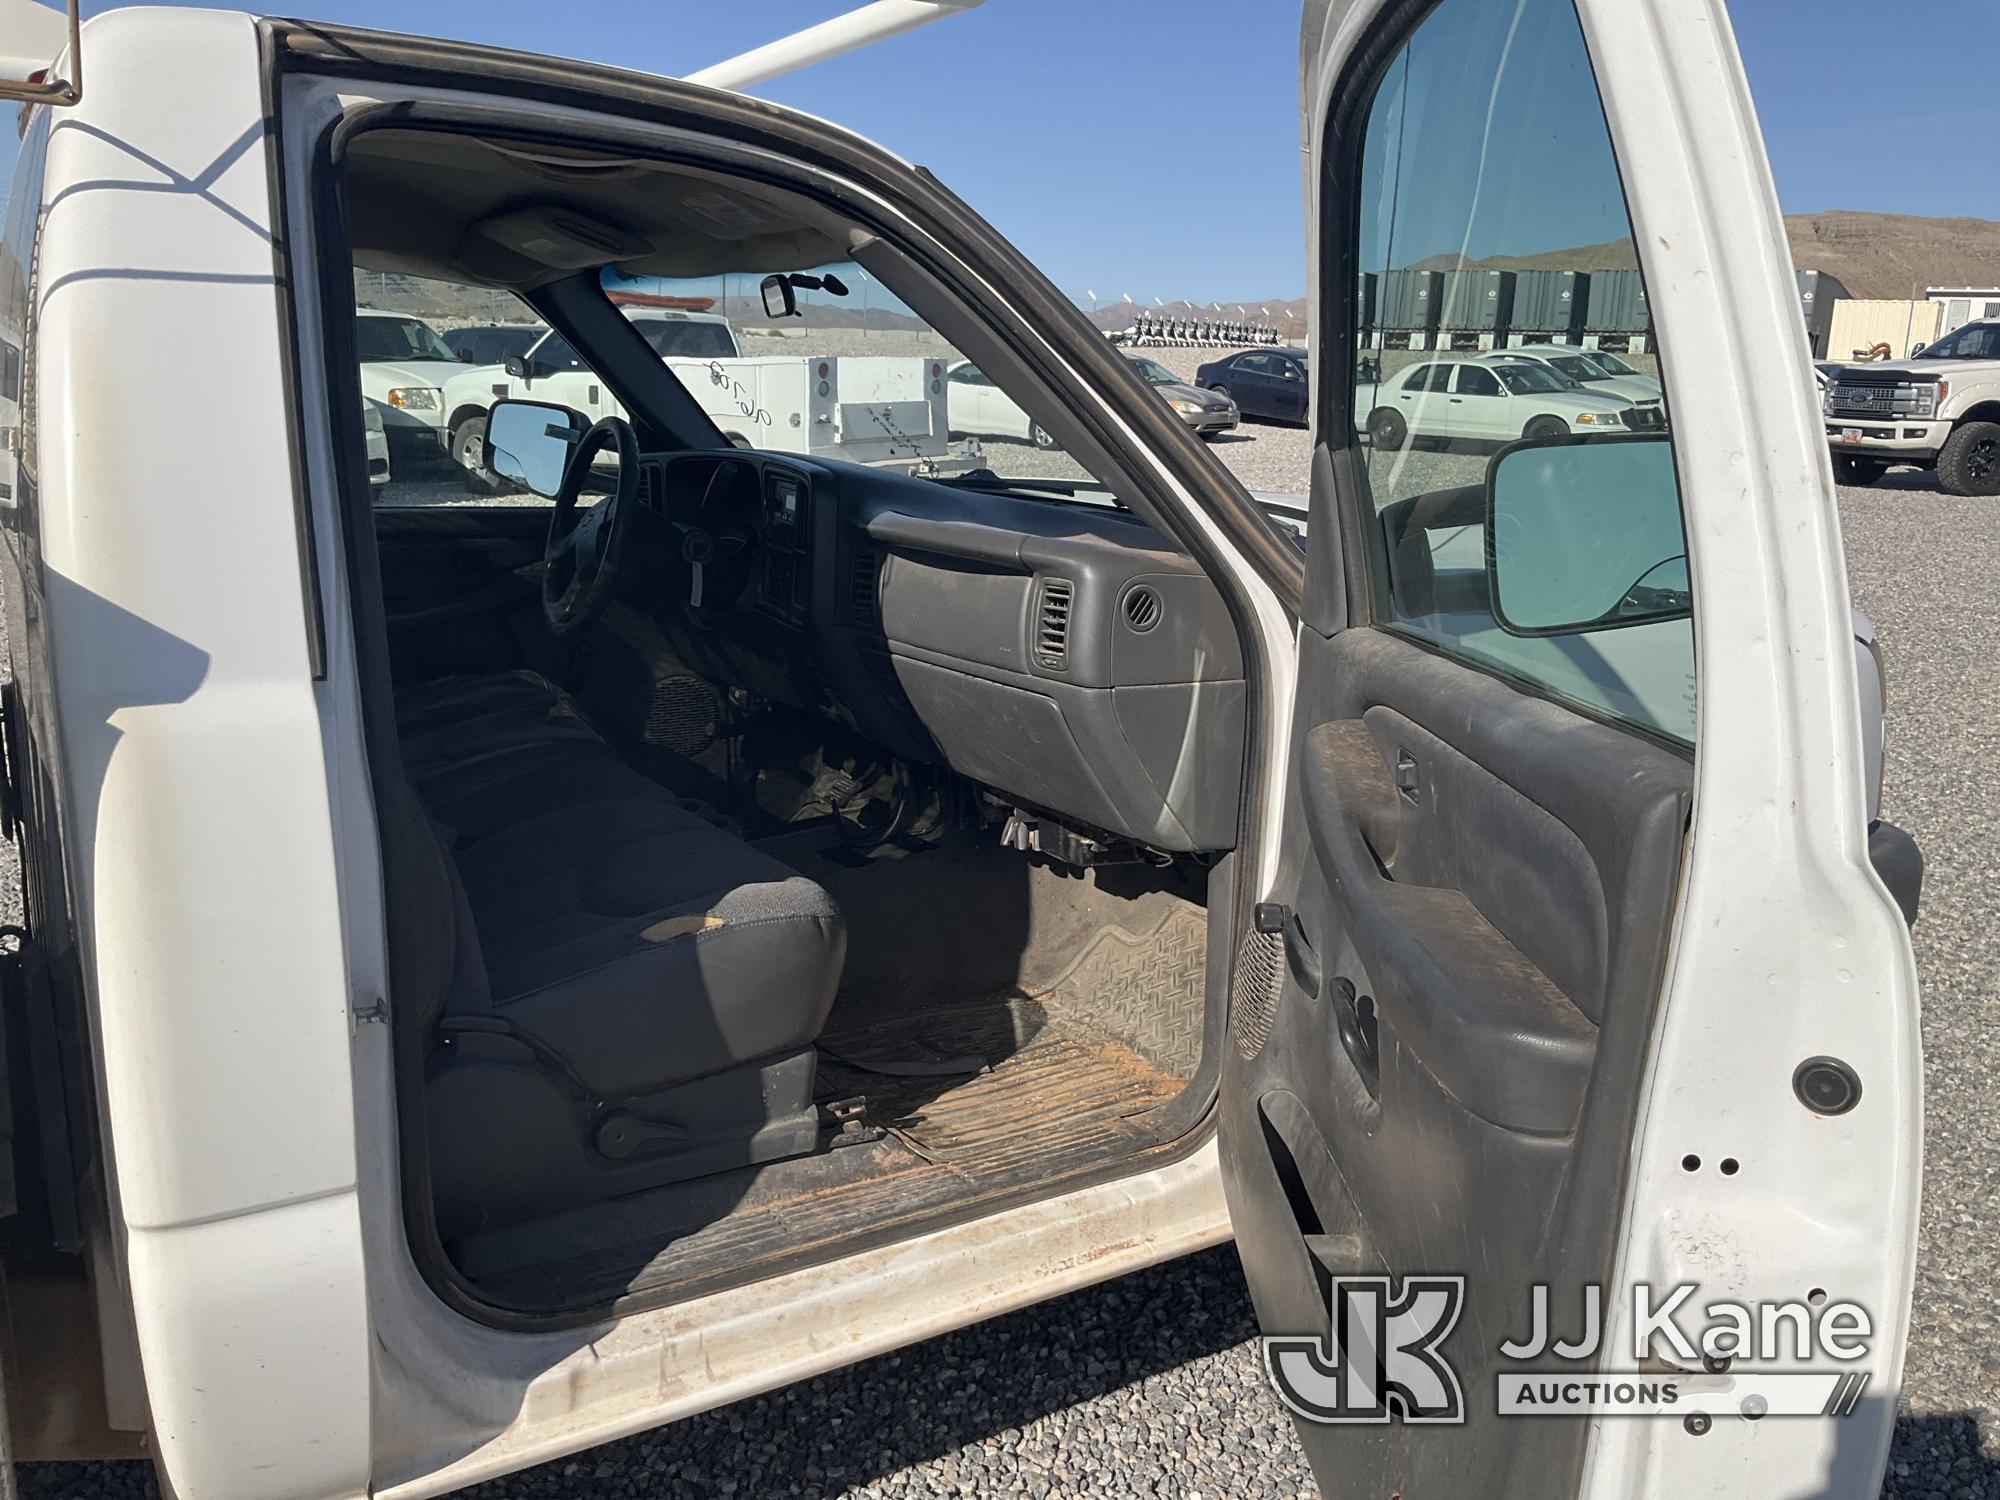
1573	972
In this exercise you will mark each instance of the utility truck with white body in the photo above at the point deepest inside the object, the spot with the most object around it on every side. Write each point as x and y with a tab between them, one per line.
501	975
876	409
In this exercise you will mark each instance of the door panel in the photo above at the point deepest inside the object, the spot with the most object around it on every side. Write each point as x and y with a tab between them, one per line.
462	587
1485	894
1466	939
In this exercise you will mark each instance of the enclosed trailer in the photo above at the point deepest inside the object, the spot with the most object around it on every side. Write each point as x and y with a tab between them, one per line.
1406	305
1548	307
1818	292
1616	315
1475	308
1862	328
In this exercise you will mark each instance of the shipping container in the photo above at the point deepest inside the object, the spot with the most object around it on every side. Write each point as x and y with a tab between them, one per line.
1408	300
1818	292
1617	303
1478	301
1550	302
1861	326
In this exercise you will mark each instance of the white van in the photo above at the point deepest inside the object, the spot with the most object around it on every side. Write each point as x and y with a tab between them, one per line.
498	977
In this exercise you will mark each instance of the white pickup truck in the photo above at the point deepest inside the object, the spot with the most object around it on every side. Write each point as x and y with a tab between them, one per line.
498	977
1938	409
873	409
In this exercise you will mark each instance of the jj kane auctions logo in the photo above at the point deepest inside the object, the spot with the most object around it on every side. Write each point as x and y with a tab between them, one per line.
1382	1357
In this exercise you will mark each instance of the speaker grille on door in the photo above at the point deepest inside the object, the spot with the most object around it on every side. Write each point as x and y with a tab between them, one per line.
1052	612
1253	998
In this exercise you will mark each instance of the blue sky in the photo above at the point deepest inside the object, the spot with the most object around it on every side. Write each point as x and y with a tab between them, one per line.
1150	146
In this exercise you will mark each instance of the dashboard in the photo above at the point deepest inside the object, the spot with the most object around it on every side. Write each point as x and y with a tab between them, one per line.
1062	653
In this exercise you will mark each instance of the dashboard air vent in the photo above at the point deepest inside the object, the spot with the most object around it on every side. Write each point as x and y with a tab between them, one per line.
861	599
1142	607
1052	613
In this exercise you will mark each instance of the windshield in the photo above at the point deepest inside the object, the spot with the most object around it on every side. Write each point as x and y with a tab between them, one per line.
378	338
1973	341
1612	364
1578	367
689	338
1523	380
1155	373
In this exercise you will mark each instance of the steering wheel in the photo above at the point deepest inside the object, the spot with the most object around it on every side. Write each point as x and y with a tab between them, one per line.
580	560
717	549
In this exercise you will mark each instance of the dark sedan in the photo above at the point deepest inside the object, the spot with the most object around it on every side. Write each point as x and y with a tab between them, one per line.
1268	383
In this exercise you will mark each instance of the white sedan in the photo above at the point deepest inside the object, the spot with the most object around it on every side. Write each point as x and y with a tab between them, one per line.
1599	369
1488	399
978	407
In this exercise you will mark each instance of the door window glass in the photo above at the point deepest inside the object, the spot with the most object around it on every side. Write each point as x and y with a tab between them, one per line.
1509	552
1473	381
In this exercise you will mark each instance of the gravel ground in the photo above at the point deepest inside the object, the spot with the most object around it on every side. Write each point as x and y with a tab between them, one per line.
1149	1386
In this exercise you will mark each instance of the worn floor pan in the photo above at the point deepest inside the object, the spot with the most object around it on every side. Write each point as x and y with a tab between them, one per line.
1057	1096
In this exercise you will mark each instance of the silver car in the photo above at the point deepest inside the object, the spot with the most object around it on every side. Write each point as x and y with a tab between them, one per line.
1207	412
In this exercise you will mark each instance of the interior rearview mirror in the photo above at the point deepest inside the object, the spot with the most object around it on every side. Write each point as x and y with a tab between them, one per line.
782	301
1584	533
33	38
528	444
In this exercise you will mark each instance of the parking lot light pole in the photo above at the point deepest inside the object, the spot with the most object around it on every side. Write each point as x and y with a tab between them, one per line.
858	28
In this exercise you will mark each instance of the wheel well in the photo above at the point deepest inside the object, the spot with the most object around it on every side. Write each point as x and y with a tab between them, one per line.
1986	411
460	415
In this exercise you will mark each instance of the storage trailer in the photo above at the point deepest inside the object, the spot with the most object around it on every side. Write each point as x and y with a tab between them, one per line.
1475	309
1616	315
1407	304
1818	292
1548	307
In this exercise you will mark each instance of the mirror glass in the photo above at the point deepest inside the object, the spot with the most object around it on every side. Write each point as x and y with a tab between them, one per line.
528	444
1585	534
779	299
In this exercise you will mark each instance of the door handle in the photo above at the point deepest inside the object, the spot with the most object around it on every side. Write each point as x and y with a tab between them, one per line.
1300	958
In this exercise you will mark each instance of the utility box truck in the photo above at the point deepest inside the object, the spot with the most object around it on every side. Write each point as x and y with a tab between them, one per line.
873	409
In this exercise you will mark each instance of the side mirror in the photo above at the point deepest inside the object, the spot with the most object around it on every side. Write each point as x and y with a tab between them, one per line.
1584	533
1918	348
528	444
35	36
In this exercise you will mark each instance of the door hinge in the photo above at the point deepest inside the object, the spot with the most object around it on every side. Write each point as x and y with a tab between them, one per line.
376	1010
